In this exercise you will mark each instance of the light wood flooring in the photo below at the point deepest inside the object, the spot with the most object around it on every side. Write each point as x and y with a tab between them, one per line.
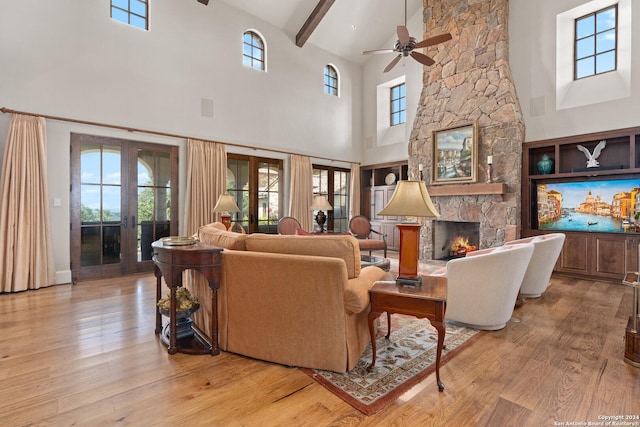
87	355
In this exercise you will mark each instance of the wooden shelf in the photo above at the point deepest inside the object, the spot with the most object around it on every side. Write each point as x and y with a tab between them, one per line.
467	189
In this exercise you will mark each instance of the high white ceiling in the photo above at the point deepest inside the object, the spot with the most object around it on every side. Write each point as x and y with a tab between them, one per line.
349	27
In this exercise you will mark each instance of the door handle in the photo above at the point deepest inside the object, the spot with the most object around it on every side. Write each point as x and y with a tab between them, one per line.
125	222
133	221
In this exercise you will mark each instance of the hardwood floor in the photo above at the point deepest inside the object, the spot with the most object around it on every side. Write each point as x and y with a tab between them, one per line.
87	355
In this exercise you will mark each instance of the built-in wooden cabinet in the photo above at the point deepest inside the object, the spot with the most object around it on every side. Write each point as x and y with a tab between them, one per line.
378	184
601	255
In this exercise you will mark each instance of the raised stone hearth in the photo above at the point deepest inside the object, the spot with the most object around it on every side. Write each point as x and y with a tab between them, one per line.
471	82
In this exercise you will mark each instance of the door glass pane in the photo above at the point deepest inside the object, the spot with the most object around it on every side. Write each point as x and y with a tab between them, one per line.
90	164
100	204
238	186
154	200
111	165
268	197
90	245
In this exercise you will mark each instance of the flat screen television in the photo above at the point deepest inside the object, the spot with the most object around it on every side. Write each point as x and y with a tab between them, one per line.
599	205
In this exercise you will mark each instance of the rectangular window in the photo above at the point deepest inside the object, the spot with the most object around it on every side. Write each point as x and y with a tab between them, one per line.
333	183
398	105
595	43
132	12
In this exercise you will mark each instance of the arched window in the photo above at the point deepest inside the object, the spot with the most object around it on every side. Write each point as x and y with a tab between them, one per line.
253	50
330	80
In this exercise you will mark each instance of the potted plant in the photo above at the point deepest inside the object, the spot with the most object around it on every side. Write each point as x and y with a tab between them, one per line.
186	303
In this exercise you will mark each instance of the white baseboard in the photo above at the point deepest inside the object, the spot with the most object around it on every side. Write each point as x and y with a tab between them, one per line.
63	277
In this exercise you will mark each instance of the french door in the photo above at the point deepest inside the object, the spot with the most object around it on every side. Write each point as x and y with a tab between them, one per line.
256	184
123	197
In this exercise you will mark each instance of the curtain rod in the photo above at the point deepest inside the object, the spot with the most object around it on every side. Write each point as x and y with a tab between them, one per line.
153	132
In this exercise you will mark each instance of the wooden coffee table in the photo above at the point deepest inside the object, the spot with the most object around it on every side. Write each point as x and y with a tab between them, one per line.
427	301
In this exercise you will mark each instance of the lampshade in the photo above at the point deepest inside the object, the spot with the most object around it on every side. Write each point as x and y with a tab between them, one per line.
410	198
320	203
226	203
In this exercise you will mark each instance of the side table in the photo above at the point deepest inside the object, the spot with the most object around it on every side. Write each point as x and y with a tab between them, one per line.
171	262
426	301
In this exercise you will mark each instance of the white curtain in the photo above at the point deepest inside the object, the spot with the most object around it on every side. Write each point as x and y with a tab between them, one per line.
301	191
26	252
354	193
206	181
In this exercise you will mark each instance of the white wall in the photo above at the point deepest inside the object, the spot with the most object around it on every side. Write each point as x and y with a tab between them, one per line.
69	59
392	145
532	50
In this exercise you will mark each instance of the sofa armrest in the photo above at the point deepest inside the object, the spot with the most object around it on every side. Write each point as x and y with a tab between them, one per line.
356	292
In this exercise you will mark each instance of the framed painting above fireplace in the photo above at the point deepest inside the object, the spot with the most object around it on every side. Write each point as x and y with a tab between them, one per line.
455	154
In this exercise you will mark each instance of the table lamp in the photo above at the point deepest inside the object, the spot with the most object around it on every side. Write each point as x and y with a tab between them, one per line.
226	203
410	198
321	204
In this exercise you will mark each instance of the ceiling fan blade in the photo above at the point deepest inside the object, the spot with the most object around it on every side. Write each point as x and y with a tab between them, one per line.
423	59
392	63
434	40
368	52
403	34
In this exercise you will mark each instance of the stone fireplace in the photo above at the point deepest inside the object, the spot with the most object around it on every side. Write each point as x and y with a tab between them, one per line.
471	82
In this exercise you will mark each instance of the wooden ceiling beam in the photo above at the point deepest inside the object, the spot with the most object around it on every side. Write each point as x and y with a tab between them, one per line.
312	21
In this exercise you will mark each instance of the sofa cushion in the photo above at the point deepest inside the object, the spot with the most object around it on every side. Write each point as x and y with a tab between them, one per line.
344	247
212	235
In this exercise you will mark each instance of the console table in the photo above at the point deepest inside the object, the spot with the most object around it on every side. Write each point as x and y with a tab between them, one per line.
428	300
171	262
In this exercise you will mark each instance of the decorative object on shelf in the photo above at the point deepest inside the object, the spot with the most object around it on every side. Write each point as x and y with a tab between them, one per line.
591	157
186	303
226	203
455	154
489	169
179	241
390	179
321	204
410	198
545	164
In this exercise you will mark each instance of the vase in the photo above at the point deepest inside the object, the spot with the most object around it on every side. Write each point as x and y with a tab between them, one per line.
545	165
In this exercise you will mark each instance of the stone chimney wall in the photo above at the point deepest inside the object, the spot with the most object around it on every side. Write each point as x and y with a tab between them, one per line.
470	82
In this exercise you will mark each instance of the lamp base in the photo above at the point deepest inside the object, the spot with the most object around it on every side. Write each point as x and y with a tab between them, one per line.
226	220
414	282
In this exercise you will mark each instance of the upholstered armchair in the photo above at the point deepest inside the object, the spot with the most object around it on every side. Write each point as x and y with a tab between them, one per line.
547	248
288	225
482	288
360	227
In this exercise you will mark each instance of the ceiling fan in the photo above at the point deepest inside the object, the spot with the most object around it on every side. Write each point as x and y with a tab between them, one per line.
406	45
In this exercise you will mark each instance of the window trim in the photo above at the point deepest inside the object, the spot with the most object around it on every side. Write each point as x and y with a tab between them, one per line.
595	35
403	107
261	39
335	89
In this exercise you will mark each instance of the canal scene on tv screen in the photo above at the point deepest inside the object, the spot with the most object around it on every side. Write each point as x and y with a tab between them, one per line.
600	206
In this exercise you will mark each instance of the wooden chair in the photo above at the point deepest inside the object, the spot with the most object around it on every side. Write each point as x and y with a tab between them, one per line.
288	225
360	227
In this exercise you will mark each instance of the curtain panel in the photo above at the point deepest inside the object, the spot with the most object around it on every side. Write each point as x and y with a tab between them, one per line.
206	181
301	190
26	251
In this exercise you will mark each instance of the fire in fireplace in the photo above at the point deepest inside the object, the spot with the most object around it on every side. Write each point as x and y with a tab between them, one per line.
453	239
461	246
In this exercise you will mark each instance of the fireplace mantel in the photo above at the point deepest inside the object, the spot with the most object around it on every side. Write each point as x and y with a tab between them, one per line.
467	189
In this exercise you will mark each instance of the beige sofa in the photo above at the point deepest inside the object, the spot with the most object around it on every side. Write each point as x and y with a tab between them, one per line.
294	300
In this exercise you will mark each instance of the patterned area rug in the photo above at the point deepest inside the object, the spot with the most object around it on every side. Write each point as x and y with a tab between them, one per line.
402	361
